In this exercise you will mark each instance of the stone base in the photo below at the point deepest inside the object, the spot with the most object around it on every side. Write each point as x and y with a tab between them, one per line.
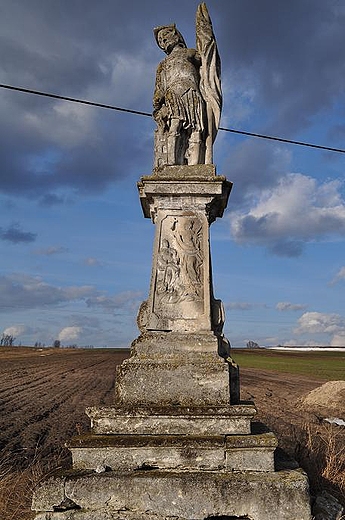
174	369
187	495
254	452
198	382
202	420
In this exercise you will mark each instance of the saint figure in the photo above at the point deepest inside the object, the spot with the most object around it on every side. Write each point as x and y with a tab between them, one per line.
187	99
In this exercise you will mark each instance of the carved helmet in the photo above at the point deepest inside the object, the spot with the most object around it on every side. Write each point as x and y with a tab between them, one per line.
156	31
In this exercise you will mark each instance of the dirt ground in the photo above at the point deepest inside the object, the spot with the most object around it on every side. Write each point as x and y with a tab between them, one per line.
276	394
43	395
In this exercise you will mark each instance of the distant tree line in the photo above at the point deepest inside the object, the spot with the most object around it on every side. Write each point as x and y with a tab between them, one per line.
7	340
253	344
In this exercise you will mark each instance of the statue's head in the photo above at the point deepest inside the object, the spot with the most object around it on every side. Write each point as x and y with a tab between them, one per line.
168	37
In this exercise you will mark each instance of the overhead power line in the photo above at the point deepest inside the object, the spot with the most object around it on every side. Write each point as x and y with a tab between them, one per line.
138	112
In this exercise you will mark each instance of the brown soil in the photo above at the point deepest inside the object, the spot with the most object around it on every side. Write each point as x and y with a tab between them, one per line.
43	396
277	395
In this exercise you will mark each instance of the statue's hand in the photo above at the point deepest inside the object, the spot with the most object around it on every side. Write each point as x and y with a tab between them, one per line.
161	116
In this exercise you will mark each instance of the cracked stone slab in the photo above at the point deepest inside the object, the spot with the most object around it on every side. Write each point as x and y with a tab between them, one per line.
188	495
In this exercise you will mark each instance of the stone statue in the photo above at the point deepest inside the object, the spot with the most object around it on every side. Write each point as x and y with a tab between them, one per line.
187	99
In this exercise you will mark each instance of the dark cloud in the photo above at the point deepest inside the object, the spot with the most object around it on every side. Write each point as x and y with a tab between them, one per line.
18	292
254	166
49	144
51	199
289	248
16	235
292	52
285	55
126	299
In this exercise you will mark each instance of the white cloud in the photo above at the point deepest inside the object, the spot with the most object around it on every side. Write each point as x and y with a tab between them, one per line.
318	322
287	306
254	166
338	340
339	276
69	333
52	250
91	261
295	211
15	330
243	306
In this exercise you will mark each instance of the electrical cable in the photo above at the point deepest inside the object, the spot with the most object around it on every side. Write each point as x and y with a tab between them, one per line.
138	112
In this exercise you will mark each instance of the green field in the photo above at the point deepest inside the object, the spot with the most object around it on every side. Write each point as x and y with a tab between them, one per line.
329	366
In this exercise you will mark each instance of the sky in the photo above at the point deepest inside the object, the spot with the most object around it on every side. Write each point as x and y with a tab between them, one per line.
75	249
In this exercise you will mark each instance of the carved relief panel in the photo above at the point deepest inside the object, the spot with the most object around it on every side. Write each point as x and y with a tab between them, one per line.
181	269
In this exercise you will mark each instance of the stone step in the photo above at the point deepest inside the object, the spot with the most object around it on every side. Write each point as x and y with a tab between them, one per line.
185	495
203	420
253	452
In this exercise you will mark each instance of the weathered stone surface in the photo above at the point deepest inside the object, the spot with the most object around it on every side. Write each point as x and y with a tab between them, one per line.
171	383
172	421
176	445
173	345
101	514
180	298
178	187
183	452
198	172
192	495
50	493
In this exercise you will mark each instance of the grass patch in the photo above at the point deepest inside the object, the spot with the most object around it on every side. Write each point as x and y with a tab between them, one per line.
329	366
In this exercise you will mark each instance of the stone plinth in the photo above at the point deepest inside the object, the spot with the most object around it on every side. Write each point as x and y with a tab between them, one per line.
178	420
131	452
175	382
182	201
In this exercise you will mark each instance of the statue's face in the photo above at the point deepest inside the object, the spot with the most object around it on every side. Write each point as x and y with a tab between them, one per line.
168	39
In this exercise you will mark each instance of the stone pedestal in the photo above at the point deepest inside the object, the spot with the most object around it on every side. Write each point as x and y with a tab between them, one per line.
182	201
178	442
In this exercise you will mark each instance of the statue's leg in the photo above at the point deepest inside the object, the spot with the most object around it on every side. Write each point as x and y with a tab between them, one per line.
196	149
175	143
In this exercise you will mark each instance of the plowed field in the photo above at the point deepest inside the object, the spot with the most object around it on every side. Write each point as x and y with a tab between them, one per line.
44	393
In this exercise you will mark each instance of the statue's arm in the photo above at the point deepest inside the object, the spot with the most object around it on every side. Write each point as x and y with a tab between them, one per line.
160	111
158	96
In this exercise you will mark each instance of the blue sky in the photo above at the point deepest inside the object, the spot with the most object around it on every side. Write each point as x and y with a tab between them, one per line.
75	255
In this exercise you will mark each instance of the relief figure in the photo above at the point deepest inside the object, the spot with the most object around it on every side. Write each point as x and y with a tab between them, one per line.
168	270
188	234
